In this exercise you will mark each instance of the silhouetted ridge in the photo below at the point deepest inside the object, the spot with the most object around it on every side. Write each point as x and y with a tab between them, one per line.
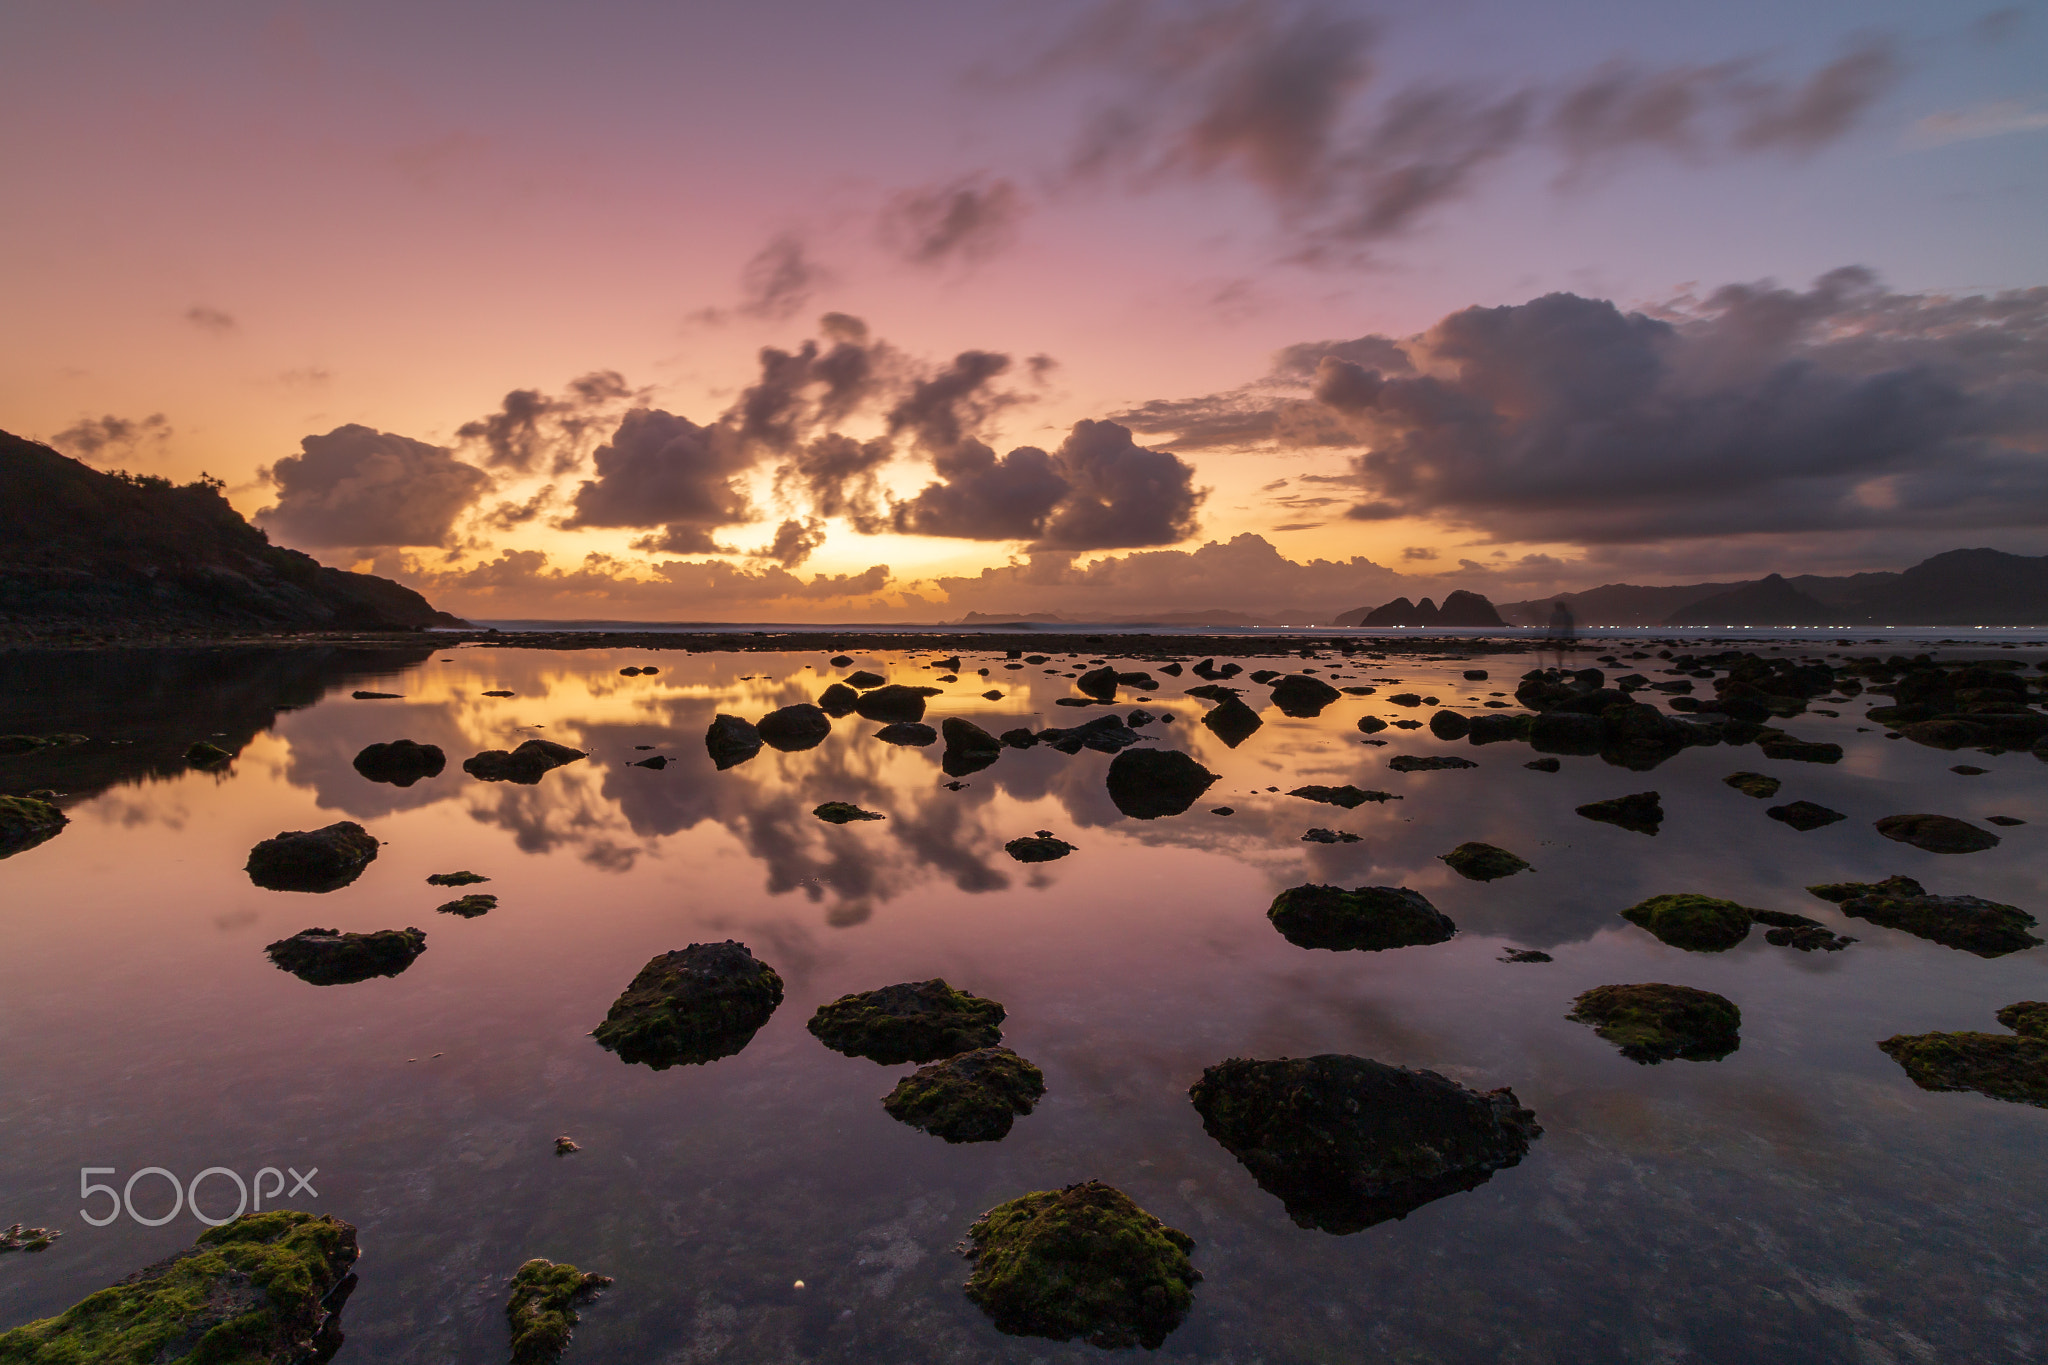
1466	610
1772	602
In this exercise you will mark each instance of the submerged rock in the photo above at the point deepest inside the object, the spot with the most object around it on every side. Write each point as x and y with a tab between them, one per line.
793	729
1232	721
918	1021
731	741
844	812
1654	1022
400	762
1969	923
1419	763
2004	1066
1347	796
26	821
912	733
1937	833
693	1006
1805	815
1042	848
1347	1142
265	1289
1369	918
1303	697
973	1097
1483	862
541	1309
469	907
1753	784
525	765
1641	812
1797	931
1084	1261
328	957
312	860
1698	924
1146	784
456	879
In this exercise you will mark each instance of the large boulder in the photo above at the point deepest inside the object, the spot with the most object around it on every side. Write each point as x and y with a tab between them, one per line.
265	1289
26	821
972	1097
918	1021
1347	1142
693	1006
525	765
1146	784
1654	1022
312	860
328	957
1084	1261
731	741
400	762
1370	918
795	728
1698	924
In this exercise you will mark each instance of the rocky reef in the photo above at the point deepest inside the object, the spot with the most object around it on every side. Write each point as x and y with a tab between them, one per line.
316	860
691	1006
972	1097
1654	1022
1370	918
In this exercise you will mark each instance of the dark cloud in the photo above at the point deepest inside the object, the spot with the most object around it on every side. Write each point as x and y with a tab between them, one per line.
954	404
840	477
508	516
794	542
1273	410
91	437
1415	552
965	220
357	486
814	387
521	582
780	279
981	497
530	425
210	319
659	469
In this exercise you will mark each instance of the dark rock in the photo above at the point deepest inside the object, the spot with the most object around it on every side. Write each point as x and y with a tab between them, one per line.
839	661
377	696
1937	833
1449	725
731	741
1543	765
1843	892
1349	797
1798	931
1137	718
964	736
1753	784
328	957
658	762
1370	918
1805	815
837	700
312	860
1565	732
1475	675
1417	763
1223	810
1041	849
793	729
2002	1066
469	907
844	812
1232	722
863	680
908	732
1019	738
1525	955
525	765
2004	820
265	1289
1498	729
992	695
1483	862
1970	923
456	879
541	1308
1303	697
1641	812
1346	1142
631	672
972	1097
1801	751
1212	692
1698	924
692	1006
1099	683
401	762
211	757
1328	836
1654	1022
1104	734
1084	1261
500	692
1146	784
919	1021
1371	725
893	703
26	821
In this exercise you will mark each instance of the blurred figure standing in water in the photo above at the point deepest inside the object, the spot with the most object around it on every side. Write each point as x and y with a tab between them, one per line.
1563	630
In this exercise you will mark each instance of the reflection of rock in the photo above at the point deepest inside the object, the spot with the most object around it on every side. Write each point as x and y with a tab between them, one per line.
1970	923
265	1289
918	1021
1804	815
795	728
1753	784
1039	849
2003	1066
1937	833
1146	784
1483	862
1370	918
731	741
1302	696
26	822
844	812
328	957
1346	1142
1653	1022
1347	796
525	765
312	860
894	702
1084	1261
401	762
973	1097
1641	812
1698	924
913	733
693	1006
541	1309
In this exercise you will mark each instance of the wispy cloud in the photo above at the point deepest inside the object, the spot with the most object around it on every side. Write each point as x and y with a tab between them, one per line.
1994	119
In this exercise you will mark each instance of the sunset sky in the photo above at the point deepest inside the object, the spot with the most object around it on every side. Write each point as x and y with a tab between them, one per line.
895	311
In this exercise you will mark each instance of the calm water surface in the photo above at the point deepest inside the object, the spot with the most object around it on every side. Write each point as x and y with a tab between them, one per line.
1798	1201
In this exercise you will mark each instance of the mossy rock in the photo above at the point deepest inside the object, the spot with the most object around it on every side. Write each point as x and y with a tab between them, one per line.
1754	784
325	859
1369	918
1698	924
2004	1066
1642	812
264	1289
26	822
542	1309
918	1021
464	878
1841	892
1041	848
1347	1142
1654	1022
691	1006
469	907
328	957
844	812
1483	862
2029	1017
973	1097
1970	924
1084	1261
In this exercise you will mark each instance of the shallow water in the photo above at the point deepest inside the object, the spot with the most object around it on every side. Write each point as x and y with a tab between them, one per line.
1799	1200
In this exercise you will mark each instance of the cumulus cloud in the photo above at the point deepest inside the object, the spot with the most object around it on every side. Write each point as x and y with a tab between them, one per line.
89	438
659	469
1275	410
520	582
840	477
956	403
357	486
530	427
980	497
966	220
794	542
208	319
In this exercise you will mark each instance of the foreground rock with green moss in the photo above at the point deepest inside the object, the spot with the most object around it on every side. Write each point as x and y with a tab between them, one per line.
1084	1261
264	1289
917	1021
542	1309
2004	1066
26	822
692	1006
973	1097
1698	924
1969	923
1483	862
1654	1022
329	957
325	859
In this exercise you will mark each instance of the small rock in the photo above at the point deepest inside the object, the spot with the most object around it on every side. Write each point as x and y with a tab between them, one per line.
731	741
1303	697
1146	784
456	879
376	696
1347	796
1371	725
1698	924
1223	810
1937	833
793	729
1419	763
469	907
26	821
1042	849
1969	923
1642	812
499	692
1964	768
1232	721
328	957
837	700
1654	1022
1325	836
565	1145
205	755
1753	784
973	1097
400	762
1805	815
908	732
658	762
1524	955
1800	751
2006	820
1482	862
1543	765
844	812
525	765
895	702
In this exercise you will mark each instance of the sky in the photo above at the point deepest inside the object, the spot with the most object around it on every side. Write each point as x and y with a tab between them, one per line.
1109	308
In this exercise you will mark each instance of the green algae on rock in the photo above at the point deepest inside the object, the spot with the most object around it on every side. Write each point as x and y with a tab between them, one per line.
1369	918
1698	924
1968	923
1084	1261
264	1289
917	1021
691	1006
1038	848
469	907
316	860
542	1309
844	812
25	822
2029	1017
1788	930
1482	862
2004	1066
464	878
1642	812
328	957
18	1238
1346	1142
973	1097
1753	784
1654	1022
